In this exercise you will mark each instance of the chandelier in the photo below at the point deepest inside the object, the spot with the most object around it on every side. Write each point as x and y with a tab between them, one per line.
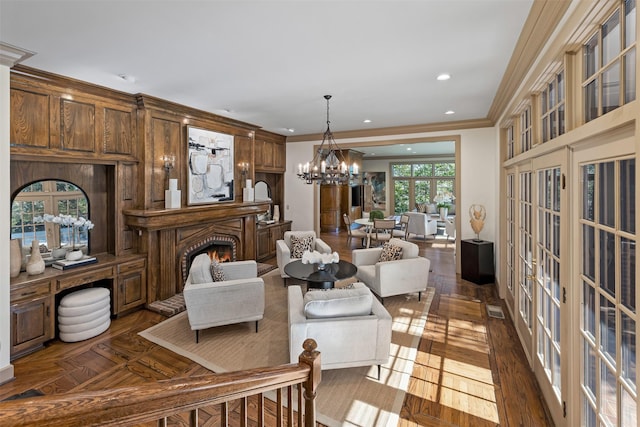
328	165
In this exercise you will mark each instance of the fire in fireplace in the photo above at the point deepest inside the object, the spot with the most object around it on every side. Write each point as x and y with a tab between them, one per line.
221	248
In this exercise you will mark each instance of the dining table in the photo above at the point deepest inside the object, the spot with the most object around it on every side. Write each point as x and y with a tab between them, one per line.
368	224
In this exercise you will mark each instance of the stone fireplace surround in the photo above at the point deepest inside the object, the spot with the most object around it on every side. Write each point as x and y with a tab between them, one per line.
167	235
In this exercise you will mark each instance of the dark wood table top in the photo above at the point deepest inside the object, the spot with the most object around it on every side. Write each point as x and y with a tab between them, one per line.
314	277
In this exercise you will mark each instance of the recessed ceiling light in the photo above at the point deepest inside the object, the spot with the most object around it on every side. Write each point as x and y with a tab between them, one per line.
443	77
127	78
366	121
291	130
408	148
450	112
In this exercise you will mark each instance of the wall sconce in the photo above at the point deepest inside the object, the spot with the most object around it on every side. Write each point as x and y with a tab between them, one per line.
169	162
244	167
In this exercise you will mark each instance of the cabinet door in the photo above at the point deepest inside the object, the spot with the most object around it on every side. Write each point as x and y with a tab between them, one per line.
29	119
31	324
279	157
263	240
132	290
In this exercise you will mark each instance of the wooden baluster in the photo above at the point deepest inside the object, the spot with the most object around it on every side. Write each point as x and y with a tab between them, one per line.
243	412
279	416
300	403
290	406
310	357
162	422
224	414
193	418
260	408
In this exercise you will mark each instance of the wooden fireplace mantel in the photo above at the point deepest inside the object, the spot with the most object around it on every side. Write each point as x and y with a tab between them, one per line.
163	233
158	219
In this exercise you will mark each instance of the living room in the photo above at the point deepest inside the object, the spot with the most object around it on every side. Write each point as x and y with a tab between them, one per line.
495	155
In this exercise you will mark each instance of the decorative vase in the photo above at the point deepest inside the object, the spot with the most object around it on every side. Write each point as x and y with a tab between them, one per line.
15	257
444	212
276	213
58	253
35	265
74	255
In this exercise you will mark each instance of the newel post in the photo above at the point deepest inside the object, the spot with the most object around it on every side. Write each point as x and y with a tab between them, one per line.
310	357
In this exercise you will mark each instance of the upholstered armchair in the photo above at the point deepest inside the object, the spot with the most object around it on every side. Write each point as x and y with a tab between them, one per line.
287	252
351	327
408	274
421	224
238	297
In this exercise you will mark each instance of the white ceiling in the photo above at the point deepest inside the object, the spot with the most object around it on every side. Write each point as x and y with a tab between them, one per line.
269	63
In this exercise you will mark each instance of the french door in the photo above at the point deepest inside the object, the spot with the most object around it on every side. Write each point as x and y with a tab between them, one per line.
604	269
541	315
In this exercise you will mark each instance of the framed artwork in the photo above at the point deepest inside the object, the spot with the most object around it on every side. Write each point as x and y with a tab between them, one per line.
211	167
378	183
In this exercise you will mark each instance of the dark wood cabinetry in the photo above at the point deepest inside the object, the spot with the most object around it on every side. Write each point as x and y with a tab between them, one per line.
270	152
33	298
266	237
336	200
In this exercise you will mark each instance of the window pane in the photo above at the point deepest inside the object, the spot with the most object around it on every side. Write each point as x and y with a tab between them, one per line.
589	368
629	351
544	102
608	262
560	80
630	22
608	329
401	170
589	310
606	193
611	88
561	119
627	273
445	169
588	192
628	195
422	191
588	252
401	196
630	76
611	38
423	169
608	395
591	101
629	413
591	60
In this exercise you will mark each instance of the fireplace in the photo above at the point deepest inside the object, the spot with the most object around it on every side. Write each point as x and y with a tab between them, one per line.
221	248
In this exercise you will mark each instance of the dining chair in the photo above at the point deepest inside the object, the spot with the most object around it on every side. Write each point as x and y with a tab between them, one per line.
358	233
383	230
401	231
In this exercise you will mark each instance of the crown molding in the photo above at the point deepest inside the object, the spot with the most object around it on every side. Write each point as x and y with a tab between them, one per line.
399	130
11	55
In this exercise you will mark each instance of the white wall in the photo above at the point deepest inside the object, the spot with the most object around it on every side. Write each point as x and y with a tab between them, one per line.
478	172
6	369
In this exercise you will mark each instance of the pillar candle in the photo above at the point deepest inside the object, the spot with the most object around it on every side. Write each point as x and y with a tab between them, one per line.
248	183
173	184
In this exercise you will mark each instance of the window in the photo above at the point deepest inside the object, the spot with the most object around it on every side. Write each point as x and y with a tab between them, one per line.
420	182
609	63
525	130
510	143
552	108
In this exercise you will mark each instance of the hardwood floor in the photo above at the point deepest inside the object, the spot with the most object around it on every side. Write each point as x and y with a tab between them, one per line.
470	370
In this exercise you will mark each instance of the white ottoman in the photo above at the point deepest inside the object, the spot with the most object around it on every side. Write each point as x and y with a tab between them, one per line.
84	314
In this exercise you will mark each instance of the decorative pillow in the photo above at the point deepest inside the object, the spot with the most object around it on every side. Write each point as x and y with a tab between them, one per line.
217	273
432	209
200	270
390	253
353	301
421	207
299	245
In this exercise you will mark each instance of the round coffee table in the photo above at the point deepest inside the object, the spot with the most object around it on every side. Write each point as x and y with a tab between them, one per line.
320	279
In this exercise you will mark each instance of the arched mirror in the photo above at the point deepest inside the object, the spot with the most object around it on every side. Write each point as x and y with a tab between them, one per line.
46	211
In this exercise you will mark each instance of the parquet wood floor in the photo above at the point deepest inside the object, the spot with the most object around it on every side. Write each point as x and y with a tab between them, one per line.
470	370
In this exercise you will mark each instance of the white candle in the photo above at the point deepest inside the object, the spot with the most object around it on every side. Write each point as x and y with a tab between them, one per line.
248	184
299	168
355	169
344	167
173	184
323	167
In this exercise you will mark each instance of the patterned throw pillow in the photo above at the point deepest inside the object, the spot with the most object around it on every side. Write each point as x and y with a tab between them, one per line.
421	207
299	245
217	272
390	253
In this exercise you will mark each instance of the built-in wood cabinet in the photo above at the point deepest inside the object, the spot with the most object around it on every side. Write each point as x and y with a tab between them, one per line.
270	152
266	237
34	298
64	119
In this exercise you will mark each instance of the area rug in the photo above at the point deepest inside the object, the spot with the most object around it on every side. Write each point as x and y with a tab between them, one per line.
350	397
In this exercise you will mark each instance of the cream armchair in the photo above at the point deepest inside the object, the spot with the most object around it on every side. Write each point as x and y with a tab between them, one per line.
351	327
283	248
239	298
388	278
421	224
